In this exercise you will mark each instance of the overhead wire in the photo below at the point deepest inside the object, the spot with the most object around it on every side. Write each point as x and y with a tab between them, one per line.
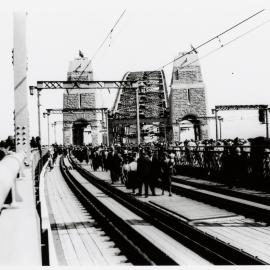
194	49
102	43
225	44
108	35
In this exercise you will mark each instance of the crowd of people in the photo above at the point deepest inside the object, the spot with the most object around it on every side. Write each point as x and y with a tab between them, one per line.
135	167
152	165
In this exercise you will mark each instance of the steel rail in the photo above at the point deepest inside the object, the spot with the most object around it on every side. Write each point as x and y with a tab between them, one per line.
137	248
238	207
207	246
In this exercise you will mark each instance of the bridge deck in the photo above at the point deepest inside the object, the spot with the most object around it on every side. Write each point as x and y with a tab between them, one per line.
175	250
243	233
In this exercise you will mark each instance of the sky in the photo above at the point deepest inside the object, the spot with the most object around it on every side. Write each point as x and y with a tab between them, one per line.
149	35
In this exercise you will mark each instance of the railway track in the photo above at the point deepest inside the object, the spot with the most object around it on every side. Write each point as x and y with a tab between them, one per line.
207	246
253	195
244	204
136	248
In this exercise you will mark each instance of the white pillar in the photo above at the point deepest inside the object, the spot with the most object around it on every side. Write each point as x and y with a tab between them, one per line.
20	84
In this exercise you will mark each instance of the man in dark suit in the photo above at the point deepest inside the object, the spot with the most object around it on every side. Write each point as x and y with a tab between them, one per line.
110	164
114	165
144	172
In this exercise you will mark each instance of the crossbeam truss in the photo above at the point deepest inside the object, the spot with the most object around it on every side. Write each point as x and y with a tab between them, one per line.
263	107
68	122
61	111
85	84
240	107
132	84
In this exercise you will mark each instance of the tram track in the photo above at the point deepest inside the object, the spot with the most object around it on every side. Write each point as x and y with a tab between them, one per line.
207	246
136	248
252	195
241	204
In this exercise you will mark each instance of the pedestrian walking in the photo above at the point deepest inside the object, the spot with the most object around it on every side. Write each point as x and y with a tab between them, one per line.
125	170
167	170
132	174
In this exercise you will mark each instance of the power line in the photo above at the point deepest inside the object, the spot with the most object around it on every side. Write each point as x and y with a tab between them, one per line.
211	39
108	35
102	43
225	44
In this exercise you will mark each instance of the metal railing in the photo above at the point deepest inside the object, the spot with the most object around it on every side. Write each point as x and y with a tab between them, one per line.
230	163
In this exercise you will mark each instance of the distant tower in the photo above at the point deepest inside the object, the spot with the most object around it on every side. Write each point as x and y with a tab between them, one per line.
81	127
188	99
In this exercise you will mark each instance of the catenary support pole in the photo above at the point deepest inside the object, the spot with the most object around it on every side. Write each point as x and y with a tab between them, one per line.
107	127
220	119
38	105
138	117
267	123
216	121
48	123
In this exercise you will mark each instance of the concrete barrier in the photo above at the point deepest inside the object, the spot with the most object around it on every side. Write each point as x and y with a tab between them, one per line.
45	224
10	167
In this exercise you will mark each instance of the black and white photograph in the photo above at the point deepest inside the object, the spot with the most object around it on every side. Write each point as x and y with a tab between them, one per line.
135	133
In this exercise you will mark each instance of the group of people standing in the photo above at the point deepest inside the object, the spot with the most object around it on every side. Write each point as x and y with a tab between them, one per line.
141	169
135	168
151	169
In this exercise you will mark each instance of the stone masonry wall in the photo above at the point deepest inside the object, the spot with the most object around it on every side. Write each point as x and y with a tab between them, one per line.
180	105
71	101
88	100
187	97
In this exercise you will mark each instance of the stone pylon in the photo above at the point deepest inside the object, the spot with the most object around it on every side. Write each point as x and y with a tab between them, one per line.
188	96
75	123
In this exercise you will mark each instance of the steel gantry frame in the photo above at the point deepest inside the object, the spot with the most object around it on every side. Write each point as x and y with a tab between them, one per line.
263	107
68	85
61	111
84	84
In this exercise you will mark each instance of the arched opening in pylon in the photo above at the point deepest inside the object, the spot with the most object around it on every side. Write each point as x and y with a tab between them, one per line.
190	128
78	130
